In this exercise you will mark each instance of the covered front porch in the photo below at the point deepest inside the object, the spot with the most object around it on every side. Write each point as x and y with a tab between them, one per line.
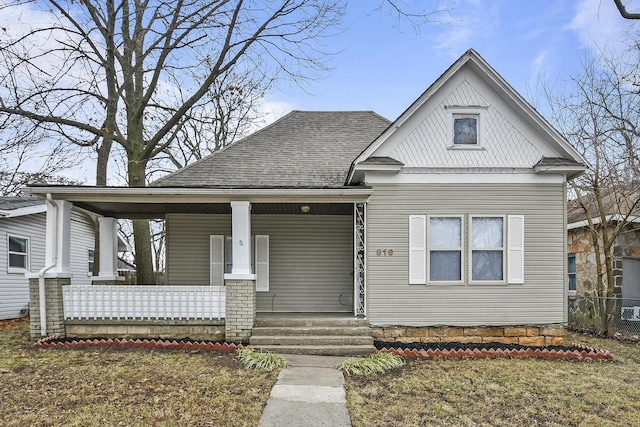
232	255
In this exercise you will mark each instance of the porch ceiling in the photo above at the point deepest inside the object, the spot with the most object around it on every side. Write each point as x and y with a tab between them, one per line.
151	202
158	210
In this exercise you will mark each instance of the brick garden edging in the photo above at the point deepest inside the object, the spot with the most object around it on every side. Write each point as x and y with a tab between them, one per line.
579	352
55	342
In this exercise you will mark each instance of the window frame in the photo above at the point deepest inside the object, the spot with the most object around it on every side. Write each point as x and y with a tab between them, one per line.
461	250
471	249
456	112
26	254
572	273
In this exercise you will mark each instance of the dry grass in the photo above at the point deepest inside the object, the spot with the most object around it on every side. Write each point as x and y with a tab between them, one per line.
111	387
493	392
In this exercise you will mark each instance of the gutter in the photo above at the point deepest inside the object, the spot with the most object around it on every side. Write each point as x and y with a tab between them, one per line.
41	281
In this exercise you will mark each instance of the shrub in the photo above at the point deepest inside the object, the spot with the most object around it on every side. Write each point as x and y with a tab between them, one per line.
375	364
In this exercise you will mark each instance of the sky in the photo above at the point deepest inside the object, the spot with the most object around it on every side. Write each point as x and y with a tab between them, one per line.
384	67
383	64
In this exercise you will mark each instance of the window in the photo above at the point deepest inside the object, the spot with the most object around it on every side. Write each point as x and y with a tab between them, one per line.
465	129
438	251
18	254
487	248
445	249
571	270
221	259
91	257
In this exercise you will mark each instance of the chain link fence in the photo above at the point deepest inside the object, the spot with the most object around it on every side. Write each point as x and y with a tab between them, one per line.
620	315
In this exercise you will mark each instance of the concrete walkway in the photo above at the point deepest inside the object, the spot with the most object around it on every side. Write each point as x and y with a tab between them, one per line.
308	393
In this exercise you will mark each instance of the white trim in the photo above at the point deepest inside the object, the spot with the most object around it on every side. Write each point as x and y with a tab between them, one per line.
597	220
204	195
29	210
233	276
462	178
216	259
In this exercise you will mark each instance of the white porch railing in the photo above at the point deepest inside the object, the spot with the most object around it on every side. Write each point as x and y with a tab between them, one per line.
120	302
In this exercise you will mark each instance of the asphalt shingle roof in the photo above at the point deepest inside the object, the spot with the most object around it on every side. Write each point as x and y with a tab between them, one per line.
302	149
10	203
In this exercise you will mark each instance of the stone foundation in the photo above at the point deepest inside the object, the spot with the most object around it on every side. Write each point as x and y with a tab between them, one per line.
529	335
212	330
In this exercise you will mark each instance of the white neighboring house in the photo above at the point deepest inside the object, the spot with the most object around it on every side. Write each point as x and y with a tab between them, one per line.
22	250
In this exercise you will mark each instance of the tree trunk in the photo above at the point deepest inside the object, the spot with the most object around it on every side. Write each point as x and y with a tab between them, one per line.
141	232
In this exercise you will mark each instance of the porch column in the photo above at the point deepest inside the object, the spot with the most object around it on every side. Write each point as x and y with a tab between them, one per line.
240	305
59	235
45	285
241	237
108	273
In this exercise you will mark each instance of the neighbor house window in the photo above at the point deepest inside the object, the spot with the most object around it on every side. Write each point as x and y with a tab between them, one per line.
487	248
571	270
445	249
18	254
465	129
91	256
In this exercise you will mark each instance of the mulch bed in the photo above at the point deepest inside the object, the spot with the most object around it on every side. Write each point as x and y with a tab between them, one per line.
492	349
185	344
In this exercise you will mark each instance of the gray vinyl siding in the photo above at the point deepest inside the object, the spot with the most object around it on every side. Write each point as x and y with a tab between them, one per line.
392	301
310	258
14	287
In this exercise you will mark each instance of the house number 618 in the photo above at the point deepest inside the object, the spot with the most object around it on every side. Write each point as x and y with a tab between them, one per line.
384	252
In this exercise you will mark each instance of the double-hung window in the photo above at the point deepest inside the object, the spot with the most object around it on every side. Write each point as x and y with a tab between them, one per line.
18	254
466	249
487	249
445	248
221	259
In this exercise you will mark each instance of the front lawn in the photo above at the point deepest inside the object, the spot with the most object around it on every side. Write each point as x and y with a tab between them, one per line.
503	392
111	387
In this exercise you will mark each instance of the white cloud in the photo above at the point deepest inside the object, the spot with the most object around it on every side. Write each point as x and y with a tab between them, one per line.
472	19
599	26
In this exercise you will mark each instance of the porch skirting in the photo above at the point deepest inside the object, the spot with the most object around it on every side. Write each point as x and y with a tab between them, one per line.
531	335
212	330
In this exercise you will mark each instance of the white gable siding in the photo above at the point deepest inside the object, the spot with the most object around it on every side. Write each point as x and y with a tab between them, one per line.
506	141
392	300
14	287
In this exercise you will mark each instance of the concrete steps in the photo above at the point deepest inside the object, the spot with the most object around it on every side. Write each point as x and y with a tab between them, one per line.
313	336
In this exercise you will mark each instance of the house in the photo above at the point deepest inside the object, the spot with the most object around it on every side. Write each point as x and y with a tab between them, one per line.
445	224
582	265
22	230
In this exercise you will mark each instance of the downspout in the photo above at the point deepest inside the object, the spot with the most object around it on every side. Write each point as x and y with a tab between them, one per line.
41	281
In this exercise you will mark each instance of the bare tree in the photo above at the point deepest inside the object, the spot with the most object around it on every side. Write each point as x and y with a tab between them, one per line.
599	118
137	74
99	73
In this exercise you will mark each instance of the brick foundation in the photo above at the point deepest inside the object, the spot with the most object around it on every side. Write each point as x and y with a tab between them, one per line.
240	310
529	335
55	310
